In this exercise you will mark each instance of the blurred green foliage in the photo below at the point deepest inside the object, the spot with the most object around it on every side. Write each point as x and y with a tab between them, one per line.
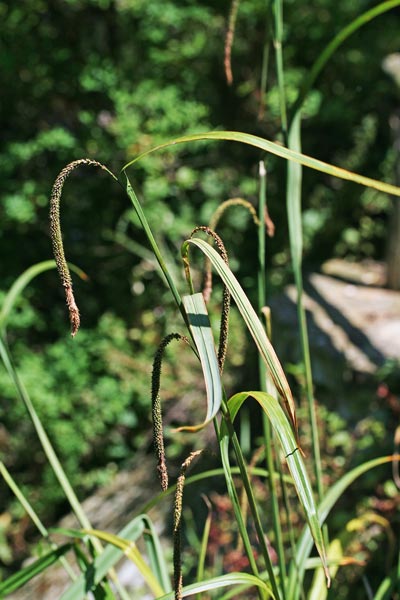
107	79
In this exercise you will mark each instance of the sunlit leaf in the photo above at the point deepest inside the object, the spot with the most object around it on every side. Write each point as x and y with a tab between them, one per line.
200	327
273	148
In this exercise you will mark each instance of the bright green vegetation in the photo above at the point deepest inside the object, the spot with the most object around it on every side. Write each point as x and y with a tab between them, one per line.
141	84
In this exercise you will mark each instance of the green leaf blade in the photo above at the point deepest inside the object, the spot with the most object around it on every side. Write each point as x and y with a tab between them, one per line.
294	459
277	150
200	327
221	582
24	575
252	321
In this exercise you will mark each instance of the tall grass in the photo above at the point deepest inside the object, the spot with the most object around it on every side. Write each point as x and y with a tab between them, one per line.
287	470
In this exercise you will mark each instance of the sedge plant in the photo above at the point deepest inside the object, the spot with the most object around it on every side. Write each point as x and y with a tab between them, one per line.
95	552
278	407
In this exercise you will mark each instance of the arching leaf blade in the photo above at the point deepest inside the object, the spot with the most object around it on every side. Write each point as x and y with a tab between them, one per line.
278	150
294	459
132	552
21	577
252	321
305	543
106	560
200	327
22	281
221	582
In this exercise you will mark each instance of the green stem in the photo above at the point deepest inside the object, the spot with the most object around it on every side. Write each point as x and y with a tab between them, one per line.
278	37
224	450
269	444
293	200
305	349
44	440
33	516
144	223
263	380
337	41
251	499
263	80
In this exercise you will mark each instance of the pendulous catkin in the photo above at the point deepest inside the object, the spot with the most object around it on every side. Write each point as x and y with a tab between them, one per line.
158	432
178	523
56	236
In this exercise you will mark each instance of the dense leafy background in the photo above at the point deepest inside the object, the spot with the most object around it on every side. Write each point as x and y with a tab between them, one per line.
106	80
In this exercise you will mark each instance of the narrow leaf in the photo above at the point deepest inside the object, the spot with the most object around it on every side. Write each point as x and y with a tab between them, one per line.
273	148
105	561
335	43
252	321
200	328
293	197
318	589
131	551
155	554
294	460
22	281
26	574
220	582
304	545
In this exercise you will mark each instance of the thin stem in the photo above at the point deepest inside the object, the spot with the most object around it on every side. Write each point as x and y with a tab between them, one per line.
295	233
293	201
143	221
292	543
252	504
224	449
262	203
268	440
263	80
46	444
34	517
331	48
305	350
269	444
278	38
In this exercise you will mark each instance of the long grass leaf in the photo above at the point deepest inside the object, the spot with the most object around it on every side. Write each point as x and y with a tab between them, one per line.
252	321
337	41
293	194
104	561
318	589
22	500
200	327
293	457
293	203
387	587
155	554
25	574
22	281
130	550
273	148
32	514
220	582
43	437
305	543
154	246
224	449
